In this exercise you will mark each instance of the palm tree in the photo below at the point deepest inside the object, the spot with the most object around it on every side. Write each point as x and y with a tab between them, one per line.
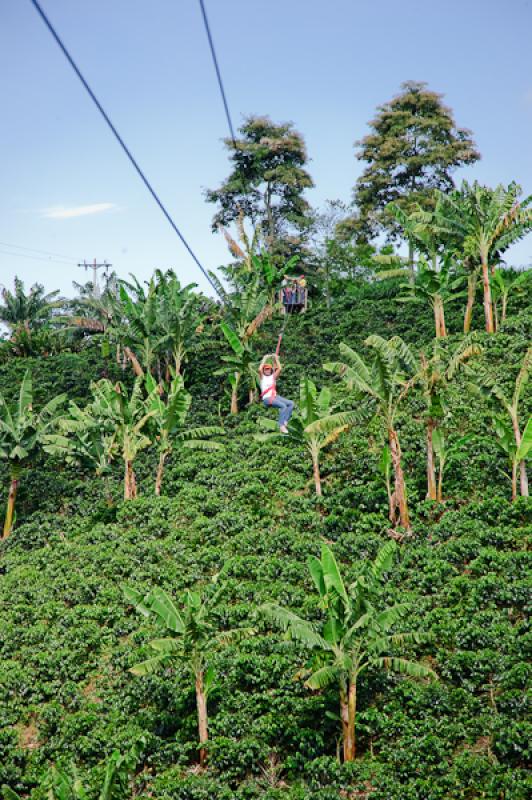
384	383
358	633
434	375
22	433
508	429
485	222
27	311
315	426
170	406
193	634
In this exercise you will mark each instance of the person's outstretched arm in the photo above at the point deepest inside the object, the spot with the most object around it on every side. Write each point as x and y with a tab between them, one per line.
278	366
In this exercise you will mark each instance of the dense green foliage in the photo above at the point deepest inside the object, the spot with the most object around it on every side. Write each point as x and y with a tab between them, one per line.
413	148
68	639
398	490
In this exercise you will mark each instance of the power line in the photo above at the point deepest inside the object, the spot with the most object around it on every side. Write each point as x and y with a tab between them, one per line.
35	250
218	73
49	259
123	144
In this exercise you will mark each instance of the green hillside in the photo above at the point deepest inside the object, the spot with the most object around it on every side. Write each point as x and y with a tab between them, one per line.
68	636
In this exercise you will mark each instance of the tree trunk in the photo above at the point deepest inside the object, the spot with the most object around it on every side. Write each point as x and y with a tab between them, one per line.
436	319
412	276
201	704
137	369
514	479
443	327
344	717
504	308
488	305
440	481
471	292
159	476
234	394
130	481
431	473
234	400
400	487
316	473
523	477
269	215
348	708
12	496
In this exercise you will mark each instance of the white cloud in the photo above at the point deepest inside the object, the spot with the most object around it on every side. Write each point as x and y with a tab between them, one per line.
59	212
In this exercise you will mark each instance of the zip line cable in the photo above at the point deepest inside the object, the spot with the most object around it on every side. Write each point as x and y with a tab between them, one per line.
123	144
218	73
230	124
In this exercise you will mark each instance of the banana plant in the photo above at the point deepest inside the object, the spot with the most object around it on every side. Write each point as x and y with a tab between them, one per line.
485	222
434	288
446	453
502	284
170	406
434	376
80	440
192	635
179	320
507	424
239	365
113	425
358	633
23	432
314	426
385	381
68	786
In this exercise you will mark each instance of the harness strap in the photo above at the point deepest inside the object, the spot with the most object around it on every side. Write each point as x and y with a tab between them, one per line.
271	389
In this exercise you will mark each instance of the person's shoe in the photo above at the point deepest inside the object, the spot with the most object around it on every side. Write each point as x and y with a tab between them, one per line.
284	430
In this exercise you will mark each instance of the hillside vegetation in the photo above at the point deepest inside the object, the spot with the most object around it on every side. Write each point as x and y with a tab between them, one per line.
69	636
200	600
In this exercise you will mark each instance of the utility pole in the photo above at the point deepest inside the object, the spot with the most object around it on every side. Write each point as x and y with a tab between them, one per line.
95	267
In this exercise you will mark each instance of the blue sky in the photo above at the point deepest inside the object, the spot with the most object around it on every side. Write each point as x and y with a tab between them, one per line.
67	189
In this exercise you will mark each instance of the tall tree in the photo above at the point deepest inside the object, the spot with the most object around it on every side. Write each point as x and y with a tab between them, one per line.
267	181
413	148
22	434
358	634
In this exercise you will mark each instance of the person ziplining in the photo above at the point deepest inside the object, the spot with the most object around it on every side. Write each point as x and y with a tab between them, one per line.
268	374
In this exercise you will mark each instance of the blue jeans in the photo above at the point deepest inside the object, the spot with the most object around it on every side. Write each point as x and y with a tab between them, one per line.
285	407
